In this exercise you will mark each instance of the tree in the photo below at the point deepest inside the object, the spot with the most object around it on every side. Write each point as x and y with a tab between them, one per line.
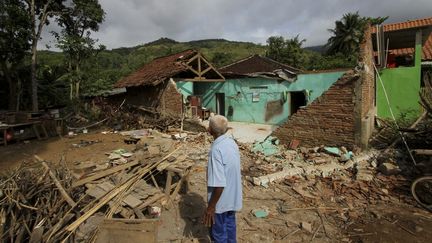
39	12
82	17
14	43
288	51
349	33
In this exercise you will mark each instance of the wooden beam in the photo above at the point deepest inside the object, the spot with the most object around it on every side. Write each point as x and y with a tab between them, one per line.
192	59
422	151
104	173
168	184
210	65
63	192
203	79
199	65
206	70
193	70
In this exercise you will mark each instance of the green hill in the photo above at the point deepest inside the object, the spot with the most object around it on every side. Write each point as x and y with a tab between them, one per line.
110	65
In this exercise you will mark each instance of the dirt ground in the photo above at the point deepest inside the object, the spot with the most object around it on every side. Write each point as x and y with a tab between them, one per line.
391	219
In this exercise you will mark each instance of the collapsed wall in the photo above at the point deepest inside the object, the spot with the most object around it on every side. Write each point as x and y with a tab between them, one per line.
171	100
328	120
341	116
163	98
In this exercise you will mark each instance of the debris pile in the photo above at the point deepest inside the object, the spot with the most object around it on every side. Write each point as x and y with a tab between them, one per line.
268	162
46	202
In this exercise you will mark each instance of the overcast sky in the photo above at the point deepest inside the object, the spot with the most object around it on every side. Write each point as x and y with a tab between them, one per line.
133	22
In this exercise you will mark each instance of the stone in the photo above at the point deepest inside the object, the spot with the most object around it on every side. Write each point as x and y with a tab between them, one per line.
376	214
154	150
374	163
260	213
306	226
389	169
385	191
418	229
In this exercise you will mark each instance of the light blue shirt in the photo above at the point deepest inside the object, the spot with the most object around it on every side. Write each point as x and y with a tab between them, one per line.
223	170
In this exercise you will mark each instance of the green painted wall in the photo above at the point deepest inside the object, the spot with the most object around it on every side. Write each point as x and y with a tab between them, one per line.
186	88
239	92
402	86
317	83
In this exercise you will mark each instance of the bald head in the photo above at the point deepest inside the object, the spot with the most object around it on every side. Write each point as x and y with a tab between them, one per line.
218	125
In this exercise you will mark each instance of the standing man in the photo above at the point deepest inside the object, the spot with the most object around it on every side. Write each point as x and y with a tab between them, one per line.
224	185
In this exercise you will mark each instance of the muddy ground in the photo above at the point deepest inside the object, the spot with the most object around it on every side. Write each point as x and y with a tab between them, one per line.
334	214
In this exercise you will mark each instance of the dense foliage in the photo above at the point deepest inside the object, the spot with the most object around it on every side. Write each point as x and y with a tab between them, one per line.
83	68
349	33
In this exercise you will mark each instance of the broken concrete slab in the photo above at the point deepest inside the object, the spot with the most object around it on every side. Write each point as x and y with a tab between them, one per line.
266	179
267	147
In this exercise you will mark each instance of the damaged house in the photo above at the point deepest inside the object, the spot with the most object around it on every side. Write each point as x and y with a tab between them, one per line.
404	59
260	90
343	115
153	86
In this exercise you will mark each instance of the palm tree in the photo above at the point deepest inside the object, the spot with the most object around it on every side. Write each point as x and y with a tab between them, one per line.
347	34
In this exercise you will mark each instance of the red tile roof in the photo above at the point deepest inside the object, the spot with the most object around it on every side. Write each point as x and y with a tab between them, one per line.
427	47
408	24
427	50
157	70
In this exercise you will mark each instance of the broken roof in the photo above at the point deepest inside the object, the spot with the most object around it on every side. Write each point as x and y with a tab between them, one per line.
158	70
412	24
257	65
188	64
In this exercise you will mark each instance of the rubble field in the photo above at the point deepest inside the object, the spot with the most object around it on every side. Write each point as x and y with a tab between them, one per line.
76	184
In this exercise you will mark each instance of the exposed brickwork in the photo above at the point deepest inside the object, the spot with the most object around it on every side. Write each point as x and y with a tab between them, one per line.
368	74
172	100
163	98
328	120
342	115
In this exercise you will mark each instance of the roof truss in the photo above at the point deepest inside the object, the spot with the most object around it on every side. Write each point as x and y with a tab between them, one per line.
201	68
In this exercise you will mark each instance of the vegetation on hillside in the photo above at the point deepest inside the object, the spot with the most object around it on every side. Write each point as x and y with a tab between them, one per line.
83	68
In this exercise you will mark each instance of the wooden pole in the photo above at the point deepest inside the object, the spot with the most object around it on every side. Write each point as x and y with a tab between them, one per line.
63	192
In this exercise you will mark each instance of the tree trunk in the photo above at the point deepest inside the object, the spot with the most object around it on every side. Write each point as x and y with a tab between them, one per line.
34	88
18	94
7	70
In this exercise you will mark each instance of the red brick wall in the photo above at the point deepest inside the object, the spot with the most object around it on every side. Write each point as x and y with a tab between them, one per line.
368	74
164	98
172	100
328	120
342	115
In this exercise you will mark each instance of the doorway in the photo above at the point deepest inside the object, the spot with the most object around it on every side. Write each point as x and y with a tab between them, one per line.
220	103
297	100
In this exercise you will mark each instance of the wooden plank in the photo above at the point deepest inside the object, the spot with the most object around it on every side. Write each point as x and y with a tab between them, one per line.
422	151
151	200
63	192
168	184
177	188
104	173
72	227
127	230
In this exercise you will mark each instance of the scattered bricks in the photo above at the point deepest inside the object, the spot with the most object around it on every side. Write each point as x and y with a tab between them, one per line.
389	169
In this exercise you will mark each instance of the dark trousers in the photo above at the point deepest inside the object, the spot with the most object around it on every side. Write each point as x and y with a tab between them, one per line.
224	228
